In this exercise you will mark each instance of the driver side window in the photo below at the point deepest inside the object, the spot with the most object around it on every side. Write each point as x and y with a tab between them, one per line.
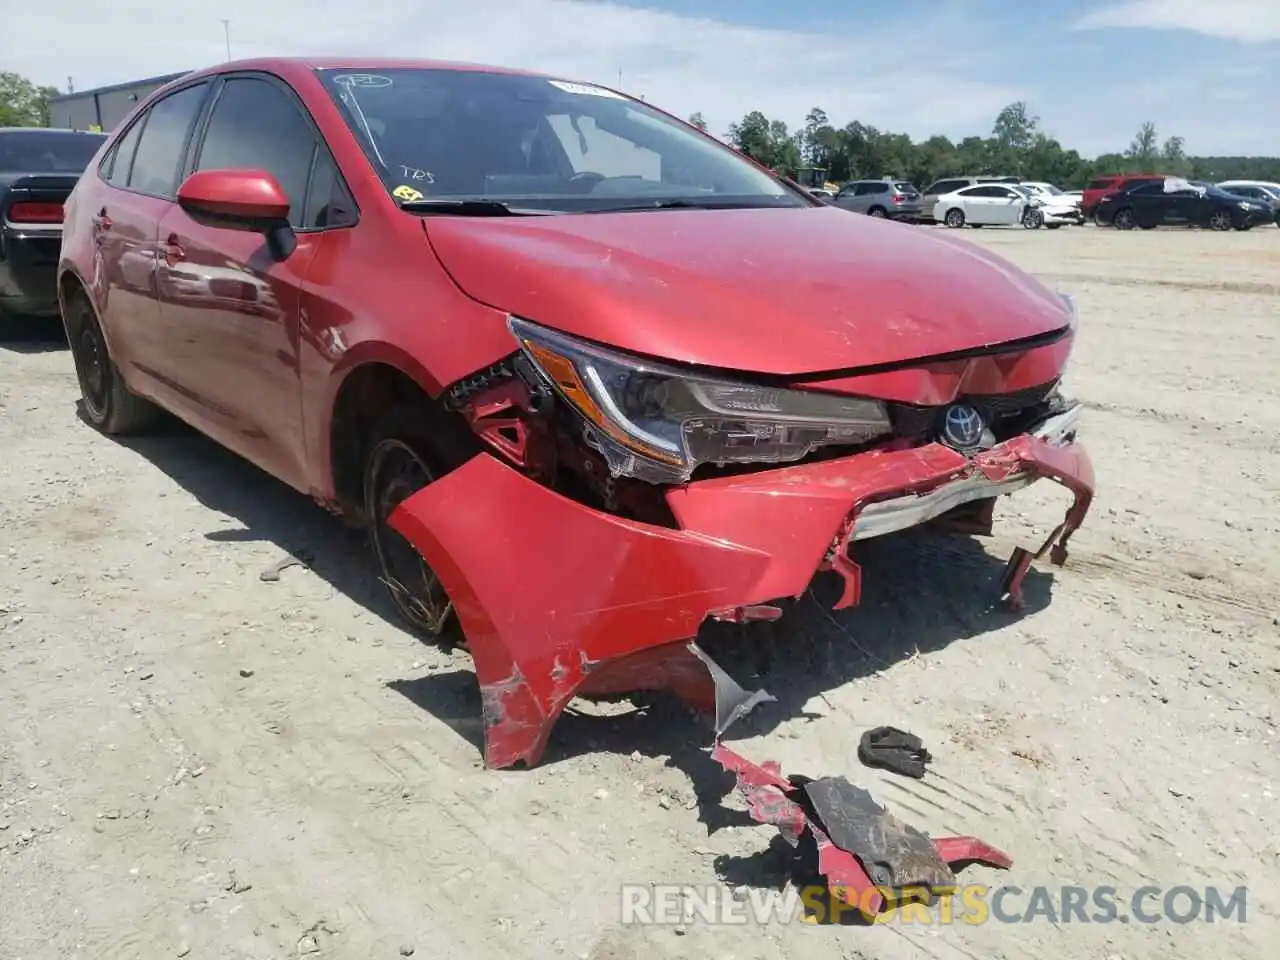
592	150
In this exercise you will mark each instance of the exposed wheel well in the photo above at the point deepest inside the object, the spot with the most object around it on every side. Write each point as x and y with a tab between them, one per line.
69	286
366	394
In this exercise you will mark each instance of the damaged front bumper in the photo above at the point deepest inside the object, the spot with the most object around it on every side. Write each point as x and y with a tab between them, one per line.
558	600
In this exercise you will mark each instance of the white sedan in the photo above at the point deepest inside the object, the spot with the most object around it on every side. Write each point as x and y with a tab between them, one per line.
983	204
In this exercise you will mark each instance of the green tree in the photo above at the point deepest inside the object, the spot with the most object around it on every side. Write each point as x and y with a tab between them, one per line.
1174	156
1144	150
751	136
22	103
697	120
1013	135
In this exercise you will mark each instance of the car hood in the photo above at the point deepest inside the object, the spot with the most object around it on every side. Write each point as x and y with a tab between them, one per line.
769	291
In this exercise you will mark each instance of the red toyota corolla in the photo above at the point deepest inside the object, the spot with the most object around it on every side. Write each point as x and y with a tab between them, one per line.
589	376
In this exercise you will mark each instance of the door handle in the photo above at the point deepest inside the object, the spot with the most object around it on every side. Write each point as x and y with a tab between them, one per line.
172	250
101	221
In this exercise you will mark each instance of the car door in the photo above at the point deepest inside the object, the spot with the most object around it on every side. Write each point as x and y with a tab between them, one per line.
235	304
140	176
980	205
849	198
1007	205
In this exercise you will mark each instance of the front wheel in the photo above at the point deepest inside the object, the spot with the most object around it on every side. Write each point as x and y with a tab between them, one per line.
1033	219
1220	220
107	402
404	455
1124	219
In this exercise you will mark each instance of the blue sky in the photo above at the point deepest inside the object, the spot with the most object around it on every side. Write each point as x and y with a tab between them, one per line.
1092	70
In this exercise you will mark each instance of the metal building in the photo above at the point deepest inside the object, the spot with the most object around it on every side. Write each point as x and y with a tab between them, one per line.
101	109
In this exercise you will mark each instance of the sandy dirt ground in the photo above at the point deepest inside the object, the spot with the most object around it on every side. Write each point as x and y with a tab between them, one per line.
197	762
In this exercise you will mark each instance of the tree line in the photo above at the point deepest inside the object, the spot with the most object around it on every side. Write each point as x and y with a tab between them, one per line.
1017	146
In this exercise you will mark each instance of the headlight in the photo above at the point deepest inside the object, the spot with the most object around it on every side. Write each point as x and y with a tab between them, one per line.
659	423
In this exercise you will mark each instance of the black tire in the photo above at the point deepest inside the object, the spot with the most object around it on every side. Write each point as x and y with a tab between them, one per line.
1220	220
1052	226
954	218
107	402
411	446
1146	226
877	212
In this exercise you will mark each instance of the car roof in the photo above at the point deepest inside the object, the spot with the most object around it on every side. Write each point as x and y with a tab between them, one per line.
50	130
294	64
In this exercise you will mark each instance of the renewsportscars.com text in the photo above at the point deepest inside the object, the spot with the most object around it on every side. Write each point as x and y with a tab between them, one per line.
971	904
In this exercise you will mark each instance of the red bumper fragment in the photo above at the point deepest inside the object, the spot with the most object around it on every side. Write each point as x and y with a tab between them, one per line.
866	855
557	599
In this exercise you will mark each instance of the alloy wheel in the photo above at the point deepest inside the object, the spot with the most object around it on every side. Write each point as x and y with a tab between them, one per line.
396	472
1220	220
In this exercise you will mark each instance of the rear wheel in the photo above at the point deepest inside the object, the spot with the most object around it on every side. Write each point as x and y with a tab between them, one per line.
954	218
1220	220
1124	219
877	212
107	402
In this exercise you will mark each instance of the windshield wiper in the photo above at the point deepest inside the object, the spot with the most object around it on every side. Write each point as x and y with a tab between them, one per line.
470	208
682	204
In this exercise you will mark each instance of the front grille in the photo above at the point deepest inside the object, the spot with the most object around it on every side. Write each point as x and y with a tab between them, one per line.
1007	414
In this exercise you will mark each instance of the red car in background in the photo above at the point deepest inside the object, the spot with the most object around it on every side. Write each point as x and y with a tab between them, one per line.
588	376
1100	187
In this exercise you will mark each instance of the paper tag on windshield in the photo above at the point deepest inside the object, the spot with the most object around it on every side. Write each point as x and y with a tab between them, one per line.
586	89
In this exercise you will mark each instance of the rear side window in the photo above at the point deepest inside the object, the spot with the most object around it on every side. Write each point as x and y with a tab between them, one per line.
163	144
120	162
903	187
870	189
255	125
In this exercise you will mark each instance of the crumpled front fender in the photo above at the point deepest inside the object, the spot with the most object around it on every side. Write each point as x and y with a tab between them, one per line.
547	590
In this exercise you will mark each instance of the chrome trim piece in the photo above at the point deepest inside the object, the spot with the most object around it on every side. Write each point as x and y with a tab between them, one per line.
902	513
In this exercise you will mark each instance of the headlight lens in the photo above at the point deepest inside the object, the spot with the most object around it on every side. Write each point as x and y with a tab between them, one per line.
659	423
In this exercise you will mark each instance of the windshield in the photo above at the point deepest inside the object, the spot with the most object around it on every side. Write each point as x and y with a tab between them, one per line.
531	142
1049	188
47	151
1024	190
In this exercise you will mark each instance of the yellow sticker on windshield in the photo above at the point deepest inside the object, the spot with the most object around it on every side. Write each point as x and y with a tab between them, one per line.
405	192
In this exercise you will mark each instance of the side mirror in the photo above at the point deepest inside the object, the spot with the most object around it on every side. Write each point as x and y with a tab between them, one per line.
248	200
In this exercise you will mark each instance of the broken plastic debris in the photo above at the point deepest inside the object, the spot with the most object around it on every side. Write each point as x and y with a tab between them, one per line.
866	855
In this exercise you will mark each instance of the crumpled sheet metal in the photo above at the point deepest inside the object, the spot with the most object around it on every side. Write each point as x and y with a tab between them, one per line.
866	854
558	600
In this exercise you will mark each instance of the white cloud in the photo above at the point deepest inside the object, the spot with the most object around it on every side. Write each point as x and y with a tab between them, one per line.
1248	21
679	63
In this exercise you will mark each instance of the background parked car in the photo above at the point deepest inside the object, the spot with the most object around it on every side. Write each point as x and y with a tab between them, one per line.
1175	202
1056	208
983	204
38	169
938	188
1099	187
1259	190
891	199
